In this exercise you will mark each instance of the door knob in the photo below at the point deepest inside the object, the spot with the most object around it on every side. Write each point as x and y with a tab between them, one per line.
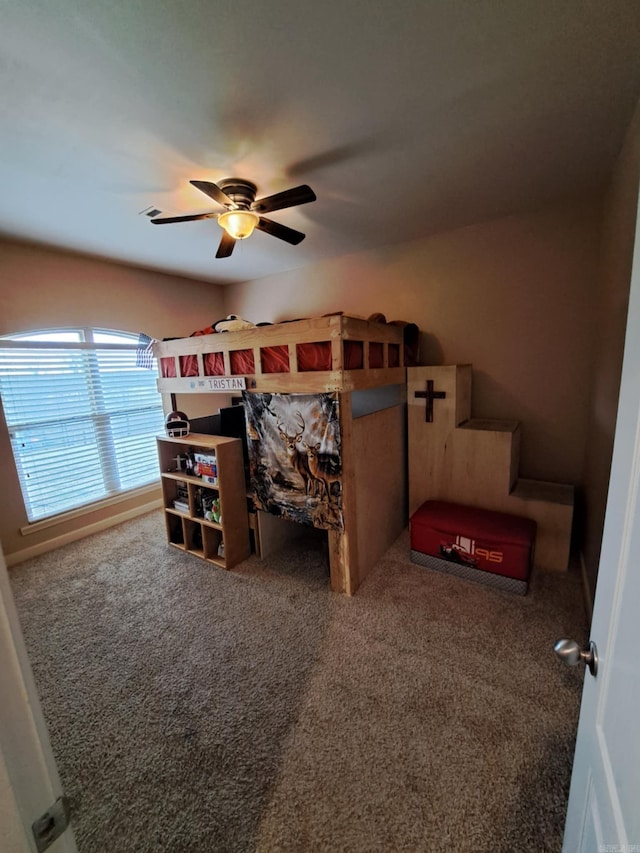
570	653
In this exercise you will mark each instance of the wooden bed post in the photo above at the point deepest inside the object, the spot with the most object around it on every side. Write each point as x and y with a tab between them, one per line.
343	545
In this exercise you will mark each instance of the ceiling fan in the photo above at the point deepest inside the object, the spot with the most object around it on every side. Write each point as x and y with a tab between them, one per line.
242	213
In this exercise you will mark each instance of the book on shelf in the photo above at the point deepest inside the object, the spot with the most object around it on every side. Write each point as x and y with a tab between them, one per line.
181	500
206	466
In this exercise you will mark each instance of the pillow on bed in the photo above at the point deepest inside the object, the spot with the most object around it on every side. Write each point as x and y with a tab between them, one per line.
233	323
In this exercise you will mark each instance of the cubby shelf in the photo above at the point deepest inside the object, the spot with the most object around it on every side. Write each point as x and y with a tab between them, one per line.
188	530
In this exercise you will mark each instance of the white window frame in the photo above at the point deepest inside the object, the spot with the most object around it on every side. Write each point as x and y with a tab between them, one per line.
100	417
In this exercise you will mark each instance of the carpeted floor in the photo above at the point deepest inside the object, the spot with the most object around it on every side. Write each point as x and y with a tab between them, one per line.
192	709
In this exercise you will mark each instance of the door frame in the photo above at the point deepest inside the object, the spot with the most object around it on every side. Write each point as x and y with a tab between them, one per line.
29	779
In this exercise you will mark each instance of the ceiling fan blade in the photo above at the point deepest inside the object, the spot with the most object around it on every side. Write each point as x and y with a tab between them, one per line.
282	232
164	220
226	245
289	198
214	192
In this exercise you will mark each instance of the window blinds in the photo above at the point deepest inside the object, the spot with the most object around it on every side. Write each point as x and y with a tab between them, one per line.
82	419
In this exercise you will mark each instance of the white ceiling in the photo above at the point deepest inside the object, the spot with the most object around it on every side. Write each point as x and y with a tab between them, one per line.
405	116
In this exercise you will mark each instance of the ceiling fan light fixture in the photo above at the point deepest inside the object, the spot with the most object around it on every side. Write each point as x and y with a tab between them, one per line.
238	224
243	212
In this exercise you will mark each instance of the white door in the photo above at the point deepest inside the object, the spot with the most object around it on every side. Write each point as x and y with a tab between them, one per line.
603	815
29	782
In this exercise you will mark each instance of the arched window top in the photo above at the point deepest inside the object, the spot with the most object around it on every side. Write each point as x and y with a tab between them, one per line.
77	335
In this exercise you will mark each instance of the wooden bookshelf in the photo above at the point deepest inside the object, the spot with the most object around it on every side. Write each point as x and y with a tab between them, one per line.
187	528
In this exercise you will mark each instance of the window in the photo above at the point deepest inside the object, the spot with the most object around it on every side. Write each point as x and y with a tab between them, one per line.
82	414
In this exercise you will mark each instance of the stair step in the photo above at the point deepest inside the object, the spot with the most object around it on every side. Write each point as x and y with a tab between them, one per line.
475	461
490	425
538	490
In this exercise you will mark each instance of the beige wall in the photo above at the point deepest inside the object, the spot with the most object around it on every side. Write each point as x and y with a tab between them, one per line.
514	297
619	221
39	289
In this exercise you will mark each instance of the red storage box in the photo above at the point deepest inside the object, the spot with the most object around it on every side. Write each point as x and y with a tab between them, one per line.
477	544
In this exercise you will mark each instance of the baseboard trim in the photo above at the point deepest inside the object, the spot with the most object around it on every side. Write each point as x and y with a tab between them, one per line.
586	589
81	533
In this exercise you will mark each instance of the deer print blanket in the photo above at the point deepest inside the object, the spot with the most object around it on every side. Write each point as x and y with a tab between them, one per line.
294	455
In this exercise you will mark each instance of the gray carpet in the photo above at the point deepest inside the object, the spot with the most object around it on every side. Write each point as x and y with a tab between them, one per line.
192	709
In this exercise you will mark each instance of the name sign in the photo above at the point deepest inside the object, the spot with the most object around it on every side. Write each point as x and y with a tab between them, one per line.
220	384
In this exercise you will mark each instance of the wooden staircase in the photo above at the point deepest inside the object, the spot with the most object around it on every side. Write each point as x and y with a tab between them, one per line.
457	458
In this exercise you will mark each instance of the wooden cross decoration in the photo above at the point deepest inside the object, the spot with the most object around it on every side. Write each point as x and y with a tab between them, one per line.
430	395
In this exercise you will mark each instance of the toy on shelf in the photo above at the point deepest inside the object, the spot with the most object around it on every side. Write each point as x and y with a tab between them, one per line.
211	508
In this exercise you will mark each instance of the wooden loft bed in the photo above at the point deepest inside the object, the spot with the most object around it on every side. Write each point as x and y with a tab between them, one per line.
336	353
364	363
